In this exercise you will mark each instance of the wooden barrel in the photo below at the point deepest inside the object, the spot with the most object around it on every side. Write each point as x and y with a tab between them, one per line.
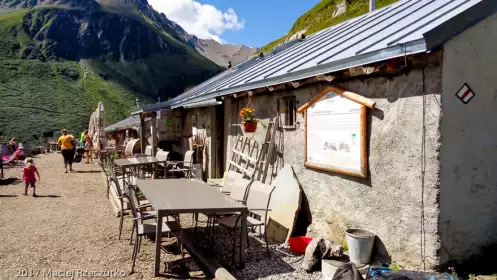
133	147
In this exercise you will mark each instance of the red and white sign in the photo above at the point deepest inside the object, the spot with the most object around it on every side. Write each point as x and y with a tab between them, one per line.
465	94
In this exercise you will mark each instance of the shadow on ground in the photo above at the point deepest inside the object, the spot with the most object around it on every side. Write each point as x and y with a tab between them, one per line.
9	181
221	248
48	196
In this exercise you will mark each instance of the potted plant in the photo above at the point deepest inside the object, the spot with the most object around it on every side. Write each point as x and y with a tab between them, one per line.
249	121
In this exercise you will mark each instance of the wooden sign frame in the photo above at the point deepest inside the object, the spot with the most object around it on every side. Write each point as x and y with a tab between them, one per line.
363	145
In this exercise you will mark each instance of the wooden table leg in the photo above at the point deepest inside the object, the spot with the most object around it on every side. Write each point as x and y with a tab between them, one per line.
158	236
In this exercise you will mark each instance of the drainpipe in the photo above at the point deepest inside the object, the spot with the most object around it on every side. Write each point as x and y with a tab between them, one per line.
372	5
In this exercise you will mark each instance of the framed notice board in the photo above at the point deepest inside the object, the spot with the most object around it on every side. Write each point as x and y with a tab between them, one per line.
336	136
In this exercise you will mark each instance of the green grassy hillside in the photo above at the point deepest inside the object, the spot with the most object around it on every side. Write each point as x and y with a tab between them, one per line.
37	97
57	63
320	17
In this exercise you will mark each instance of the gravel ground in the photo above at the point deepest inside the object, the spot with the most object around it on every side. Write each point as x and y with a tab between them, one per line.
72	226
282	263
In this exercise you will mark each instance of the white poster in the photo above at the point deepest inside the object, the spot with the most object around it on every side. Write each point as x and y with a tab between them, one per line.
335	139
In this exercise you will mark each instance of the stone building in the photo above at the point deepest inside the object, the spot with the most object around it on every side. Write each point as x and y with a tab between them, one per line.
430	194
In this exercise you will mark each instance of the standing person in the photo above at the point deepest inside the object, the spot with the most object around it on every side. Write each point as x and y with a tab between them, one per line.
28	175
88	149
13	145
67	148
82	138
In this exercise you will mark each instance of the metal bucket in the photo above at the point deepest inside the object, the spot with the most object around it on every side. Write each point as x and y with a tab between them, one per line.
360	242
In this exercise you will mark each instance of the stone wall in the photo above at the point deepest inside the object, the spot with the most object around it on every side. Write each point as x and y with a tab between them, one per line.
468	199
395	198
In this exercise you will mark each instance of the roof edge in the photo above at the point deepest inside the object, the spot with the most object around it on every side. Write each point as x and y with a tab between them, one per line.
206	103
399	50
459	23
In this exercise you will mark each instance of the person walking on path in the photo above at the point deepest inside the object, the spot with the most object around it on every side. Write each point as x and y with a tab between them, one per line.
28	176
66	142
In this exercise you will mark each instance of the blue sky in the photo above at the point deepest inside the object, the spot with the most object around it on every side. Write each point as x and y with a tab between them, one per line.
253	23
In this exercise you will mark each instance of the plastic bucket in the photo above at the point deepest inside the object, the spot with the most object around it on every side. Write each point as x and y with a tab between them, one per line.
299	244
360	242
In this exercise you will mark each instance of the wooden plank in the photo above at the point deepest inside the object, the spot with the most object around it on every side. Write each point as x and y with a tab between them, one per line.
209	263
364	148
241	168
342	92
250	154
246	143
233	155
244	156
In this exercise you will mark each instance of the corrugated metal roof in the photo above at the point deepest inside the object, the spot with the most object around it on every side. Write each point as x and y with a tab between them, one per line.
124	124
396	30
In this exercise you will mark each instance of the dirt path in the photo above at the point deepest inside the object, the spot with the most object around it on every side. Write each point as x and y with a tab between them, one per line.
70	227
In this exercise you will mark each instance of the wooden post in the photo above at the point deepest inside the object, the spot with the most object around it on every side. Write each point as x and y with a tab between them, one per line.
153	130
142	134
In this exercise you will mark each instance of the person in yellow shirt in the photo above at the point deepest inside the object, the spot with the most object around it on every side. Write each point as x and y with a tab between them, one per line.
67	148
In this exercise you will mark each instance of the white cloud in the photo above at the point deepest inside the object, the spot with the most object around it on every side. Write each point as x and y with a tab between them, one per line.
202	20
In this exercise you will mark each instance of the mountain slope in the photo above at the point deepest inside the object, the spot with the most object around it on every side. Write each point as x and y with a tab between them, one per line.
57	60
221	54
325	14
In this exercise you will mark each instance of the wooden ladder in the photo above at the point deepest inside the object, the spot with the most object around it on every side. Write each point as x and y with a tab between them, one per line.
268	148
240	161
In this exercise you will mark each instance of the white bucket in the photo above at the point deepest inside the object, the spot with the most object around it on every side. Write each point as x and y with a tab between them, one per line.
360	242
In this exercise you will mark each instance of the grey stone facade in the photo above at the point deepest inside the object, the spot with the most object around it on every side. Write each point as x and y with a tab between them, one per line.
389	200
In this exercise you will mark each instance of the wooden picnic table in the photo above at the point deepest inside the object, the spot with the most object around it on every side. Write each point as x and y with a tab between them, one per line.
180	196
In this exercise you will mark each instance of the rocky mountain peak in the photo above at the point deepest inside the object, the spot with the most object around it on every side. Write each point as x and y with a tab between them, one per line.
25	4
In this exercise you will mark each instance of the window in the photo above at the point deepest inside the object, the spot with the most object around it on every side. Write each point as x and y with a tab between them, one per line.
289	108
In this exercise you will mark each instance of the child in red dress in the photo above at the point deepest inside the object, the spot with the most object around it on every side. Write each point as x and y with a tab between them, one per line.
28	175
